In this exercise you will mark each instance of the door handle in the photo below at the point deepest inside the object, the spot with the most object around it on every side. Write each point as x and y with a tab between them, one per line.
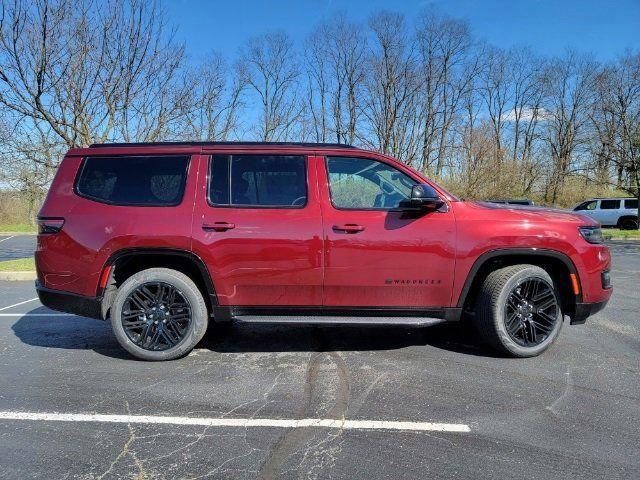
218	226
349	228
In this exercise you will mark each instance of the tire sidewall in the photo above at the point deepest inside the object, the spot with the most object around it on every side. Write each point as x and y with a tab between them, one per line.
197	326
499	313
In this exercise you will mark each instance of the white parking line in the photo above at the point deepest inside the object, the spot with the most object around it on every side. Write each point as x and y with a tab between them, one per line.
240	422
8	238
18	304
36	315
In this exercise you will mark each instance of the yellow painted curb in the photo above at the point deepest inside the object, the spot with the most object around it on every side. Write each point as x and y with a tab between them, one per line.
18	276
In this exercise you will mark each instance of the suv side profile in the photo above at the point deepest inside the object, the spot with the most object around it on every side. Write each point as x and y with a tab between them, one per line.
163	239
611	212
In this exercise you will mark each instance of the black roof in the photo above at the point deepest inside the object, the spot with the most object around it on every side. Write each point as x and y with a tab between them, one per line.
216	144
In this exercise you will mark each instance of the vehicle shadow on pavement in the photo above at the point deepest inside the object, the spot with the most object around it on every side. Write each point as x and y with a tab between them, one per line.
79	333
68	332
245	337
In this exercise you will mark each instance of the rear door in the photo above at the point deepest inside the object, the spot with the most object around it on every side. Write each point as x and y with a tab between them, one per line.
375	256
609	211
258	228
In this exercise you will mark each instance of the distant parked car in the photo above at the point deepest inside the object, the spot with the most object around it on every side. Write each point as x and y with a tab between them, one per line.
611	212
513	201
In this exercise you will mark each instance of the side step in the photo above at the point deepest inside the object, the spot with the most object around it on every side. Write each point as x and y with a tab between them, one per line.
338	320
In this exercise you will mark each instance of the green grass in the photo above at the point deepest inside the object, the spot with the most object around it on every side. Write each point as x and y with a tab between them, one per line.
17	227
617	233
18	265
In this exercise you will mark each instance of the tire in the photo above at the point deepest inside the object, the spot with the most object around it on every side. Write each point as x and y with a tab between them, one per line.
497	299
181	319
629	224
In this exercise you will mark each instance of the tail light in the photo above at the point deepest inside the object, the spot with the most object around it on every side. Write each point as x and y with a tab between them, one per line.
50	225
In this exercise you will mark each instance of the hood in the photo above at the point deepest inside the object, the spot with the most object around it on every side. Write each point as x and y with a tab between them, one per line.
535	213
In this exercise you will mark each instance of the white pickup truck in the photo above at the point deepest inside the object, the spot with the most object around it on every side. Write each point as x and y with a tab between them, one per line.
611	212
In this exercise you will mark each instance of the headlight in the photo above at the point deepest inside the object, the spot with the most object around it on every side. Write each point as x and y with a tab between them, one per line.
591	234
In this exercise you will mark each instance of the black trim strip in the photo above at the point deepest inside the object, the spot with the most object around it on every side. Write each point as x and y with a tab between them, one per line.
224	144
227	313
70	302
585	310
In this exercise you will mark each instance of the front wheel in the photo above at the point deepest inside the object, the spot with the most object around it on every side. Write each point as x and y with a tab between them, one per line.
159	314
518	310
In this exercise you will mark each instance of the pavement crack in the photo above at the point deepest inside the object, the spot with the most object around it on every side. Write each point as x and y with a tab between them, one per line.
556	406
293	439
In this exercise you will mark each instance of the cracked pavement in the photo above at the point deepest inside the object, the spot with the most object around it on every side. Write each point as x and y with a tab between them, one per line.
571	413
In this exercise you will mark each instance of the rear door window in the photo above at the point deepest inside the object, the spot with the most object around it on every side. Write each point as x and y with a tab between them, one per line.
258	181
609	204
136	181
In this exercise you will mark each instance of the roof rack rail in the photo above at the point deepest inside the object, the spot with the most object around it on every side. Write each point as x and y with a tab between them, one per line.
214	144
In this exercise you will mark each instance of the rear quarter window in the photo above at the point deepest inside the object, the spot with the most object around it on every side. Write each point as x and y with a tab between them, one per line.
135	181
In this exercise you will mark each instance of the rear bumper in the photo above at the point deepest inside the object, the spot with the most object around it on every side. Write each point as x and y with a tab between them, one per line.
70	302
585	310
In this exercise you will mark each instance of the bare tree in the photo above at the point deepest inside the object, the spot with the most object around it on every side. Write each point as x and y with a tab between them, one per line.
391	87
335	54
496	88
617	120
268	65
215	100
449	64
90	72
570	93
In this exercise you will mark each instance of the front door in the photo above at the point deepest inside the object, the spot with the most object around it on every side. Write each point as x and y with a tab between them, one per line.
257	226
375	256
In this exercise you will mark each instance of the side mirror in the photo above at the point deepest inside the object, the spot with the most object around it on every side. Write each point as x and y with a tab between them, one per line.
423	198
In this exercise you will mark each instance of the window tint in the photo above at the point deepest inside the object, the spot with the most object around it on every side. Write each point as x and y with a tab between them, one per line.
258	180
366	184
633	203
609	204
587	206
144	181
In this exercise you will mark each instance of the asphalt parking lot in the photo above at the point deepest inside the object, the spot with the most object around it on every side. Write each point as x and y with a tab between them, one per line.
16	246
573	412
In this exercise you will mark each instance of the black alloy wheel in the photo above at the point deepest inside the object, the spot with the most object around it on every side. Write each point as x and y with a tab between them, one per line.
156	316
531	312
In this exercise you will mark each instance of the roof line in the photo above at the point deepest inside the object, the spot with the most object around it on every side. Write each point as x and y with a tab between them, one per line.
215	144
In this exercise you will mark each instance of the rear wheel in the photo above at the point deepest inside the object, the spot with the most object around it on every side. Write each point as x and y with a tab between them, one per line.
518	310
159	314
629	224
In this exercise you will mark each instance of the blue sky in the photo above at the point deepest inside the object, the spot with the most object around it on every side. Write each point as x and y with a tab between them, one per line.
603	27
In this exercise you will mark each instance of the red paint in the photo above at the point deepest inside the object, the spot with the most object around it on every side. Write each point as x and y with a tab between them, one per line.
316	255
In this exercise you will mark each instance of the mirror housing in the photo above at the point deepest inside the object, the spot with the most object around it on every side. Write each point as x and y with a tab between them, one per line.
423	198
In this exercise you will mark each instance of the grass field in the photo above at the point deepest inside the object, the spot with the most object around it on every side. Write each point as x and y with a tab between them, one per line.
17	227
616	233
19	265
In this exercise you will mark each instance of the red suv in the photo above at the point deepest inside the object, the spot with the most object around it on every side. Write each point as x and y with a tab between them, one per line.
163	238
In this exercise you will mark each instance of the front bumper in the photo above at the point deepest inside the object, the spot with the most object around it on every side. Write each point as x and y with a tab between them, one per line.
585	310
70	302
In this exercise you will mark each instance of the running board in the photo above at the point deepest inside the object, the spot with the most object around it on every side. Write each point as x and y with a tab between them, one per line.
338	320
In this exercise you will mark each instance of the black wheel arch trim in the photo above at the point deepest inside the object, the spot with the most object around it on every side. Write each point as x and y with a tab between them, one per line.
509	252
175	252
